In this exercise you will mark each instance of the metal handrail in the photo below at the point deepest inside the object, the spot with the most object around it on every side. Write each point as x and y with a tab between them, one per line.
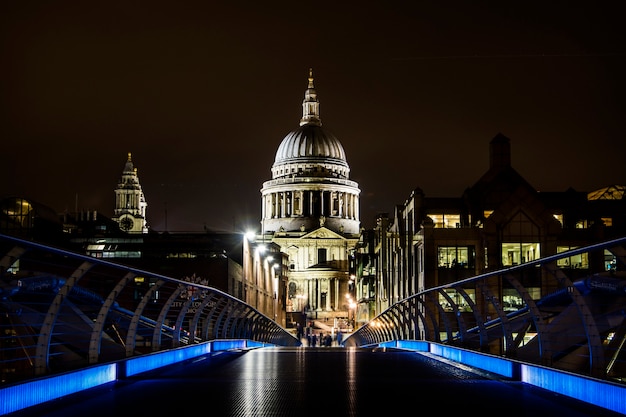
62	310
580	327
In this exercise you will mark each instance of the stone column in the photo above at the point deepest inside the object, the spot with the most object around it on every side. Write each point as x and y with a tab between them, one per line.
327	282
316	290
282	204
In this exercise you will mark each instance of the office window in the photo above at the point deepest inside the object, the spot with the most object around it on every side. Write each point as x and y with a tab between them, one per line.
456	256
610	261
512	301
518	253
446	221
576	261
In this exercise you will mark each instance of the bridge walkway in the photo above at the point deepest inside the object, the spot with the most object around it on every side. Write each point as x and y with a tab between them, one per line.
315	381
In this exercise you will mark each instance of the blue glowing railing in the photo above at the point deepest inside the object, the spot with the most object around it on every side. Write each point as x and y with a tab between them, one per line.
62	311
601	393
578	328
18	396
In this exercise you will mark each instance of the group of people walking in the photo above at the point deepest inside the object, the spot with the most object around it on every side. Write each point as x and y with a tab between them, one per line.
313	339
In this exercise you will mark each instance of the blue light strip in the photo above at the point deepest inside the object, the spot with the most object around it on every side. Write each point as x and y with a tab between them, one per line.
28	394
228	344
482	361
255	344
140	364
417	345
148	362
601	393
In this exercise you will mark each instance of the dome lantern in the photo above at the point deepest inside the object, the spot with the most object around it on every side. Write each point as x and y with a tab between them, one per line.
310	104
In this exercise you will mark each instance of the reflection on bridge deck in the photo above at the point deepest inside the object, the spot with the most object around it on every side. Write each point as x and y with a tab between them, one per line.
316	382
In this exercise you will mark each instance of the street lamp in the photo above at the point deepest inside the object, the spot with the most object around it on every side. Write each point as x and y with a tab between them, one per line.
352	306
275	282
351	310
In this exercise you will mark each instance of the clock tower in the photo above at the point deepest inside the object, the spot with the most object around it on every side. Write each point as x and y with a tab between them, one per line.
130	203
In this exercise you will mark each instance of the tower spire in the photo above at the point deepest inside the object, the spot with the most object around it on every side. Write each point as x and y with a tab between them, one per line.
130	202
310	104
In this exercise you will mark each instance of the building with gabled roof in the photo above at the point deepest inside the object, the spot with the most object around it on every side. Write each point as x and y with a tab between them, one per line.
498	222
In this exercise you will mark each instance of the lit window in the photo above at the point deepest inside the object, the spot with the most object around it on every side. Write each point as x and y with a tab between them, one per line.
519	253
456	256
610	261
446	221
512	301
582	224
576	261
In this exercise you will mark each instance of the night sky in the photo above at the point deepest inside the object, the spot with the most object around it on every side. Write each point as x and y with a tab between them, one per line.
202	94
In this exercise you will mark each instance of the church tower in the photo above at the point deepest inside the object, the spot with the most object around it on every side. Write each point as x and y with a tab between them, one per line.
130	203
310	208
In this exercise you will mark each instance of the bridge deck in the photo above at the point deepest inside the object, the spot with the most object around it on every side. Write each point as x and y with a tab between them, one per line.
322	381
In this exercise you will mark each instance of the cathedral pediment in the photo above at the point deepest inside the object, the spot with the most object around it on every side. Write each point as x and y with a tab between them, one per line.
322	233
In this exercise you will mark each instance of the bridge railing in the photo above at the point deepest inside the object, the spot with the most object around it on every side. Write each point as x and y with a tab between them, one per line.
62	311
579	327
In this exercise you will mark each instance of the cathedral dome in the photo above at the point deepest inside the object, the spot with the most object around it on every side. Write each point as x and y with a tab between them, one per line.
310	150
310	142
310	186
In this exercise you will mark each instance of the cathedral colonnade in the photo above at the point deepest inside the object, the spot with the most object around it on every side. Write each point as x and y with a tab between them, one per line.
316	202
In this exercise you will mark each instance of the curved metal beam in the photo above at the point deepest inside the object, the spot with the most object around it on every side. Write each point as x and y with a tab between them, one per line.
45	334
96	334
156	335
482	333
544	342
597	365
131	336
459	317
507	331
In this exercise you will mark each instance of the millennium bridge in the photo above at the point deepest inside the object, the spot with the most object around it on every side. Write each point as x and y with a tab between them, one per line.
77	330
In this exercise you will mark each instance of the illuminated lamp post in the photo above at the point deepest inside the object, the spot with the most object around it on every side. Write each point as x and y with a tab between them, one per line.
275	281
351	310
248	264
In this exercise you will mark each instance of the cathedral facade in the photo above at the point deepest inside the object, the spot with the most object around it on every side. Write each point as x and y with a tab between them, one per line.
310	209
